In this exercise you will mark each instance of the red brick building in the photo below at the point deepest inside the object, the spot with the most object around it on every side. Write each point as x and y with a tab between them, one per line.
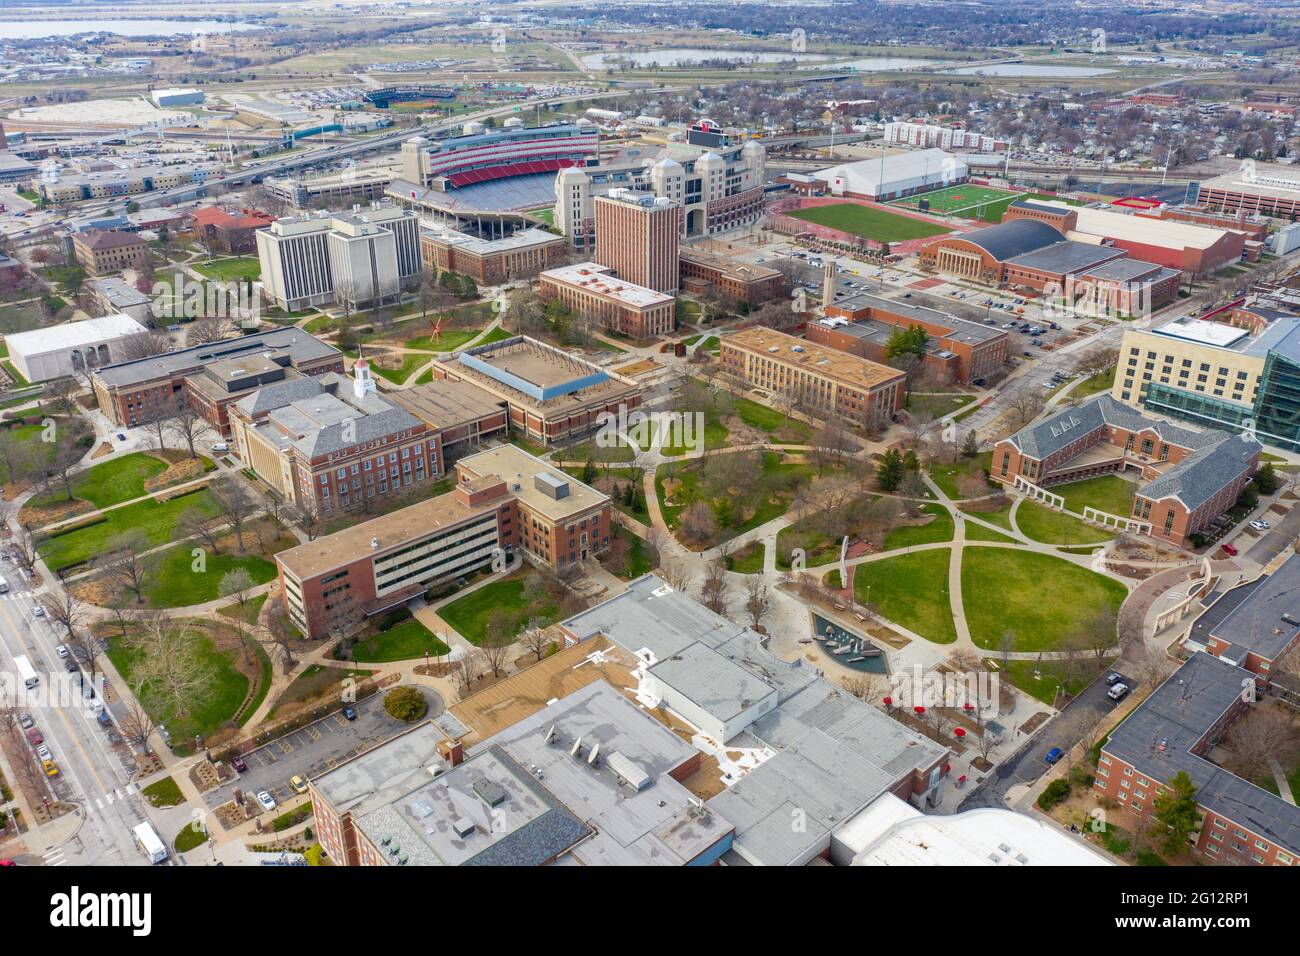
209	378
959	351
637	236
1189	478
490	262
505	502
742	282
1173	731
226	231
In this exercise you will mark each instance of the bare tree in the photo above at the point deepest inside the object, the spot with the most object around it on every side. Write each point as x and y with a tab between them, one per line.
196	523
138	724
144	345
1024	404
278	630
171	666
534	638
757	604
715	592
69	449
236	505
238	583
189	426
124	562
676	577
209	328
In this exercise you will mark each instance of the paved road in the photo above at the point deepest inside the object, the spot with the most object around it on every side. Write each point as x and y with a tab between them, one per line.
91	772
1029	763
313	749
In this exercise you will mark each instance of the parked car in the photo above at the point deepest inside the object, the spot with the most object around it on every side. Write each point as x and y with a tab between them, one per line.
299	783
38	611
1230	550
979	382
1055	754
239	765
349	712
1113	678
35	737
1259	524
61	650
121	436
50	767
44	753
70	665
266	800
26	722
1117	692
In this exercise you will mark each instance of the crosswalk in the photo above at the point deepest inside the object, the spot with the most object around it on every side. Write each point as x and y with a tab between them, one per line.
54	857
120	793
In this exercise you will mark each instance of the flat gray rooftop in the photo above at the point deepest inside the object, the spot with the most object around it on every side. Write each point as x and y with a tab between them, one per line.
1254	623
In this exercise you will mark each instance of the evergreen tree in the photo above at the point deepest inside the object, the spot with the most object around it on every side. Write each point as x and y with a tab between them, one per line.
910	461
1176	814
589	471
890	470
971	446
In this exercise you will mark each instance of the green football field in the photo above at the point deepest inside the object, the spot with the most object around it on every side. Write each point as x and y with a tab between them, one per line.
957	199
868	222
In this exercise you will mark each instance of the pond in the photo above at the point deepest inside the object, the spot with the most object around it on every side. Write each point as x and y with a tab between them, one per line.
27	30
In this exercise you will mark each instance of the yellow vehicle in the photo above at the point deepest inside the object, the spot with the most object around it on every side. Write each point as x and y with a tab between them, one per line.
298	783
51	768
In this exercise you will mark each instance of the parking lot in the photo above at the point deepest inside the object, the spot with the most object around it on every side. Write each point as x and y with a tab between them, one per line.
314	749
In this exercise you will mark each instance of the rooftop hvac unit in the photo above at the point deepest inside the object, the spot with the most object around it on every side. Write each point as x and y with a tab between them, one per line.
464	827
551	486
490	792
629	771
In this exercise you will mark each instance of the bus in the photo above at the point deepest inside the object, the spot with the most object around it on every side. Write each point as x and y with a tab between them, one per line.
25	671
146	838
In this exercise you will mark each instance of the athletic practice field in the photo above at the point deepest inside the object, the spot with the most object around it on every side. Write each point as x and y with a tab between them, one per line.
984	203
868	222
966	201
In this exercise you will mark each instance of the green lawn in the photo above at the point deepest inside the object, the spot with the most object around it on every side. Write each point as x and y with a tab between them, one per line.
406	640
818	549
939	528
911	590
191	837
163	793
632	563
1041	523
977	532
228	690
1106	492
747	560
111	482
1037	597
469	614
769	420
948	476
1044	687
1092	386
448	341
790	475
621	476
156	519
410	362
171	580
868	222
597	453
227	270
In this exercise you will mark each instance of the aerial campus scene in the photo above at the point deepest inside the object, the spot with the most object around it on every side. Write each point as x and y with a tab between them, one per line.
818	433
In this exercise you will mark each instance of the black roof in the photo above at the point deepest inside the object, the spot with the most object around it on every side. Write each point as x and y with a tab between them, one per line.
1015	238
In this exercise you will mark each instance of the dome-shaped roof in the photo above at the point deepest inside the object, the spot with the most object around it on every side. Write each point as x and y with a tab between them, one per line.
709	159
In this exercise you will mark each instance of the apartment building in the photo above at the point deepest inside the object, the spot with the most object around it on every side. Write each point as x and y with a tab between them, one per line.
1264	189
102	252
591	289
1189	477
637	235
947	138
209	378
505	502
364	258
491	261
1174	731
823	381
1236	368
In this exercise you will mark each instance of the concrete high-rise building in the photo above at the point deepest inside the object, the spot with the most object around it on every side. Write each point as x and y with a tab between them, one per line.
637	236
364	257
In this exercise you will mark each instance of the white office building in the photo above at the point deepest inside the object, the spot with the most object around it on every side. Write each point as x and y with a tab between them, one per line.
69	349
366	256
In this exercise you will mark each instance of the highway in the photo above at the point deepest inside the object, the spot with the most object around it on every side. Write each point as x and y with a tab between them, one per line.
91	773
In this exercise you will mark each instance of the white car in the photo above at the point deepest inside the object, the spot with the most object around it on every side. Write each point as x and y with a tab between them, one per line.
61	650
38	611
266	800
44	753
1260	525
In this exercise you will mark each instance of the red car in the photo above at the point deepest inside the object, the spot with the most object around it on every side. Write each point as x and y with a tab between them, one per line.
1229	550
35	737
